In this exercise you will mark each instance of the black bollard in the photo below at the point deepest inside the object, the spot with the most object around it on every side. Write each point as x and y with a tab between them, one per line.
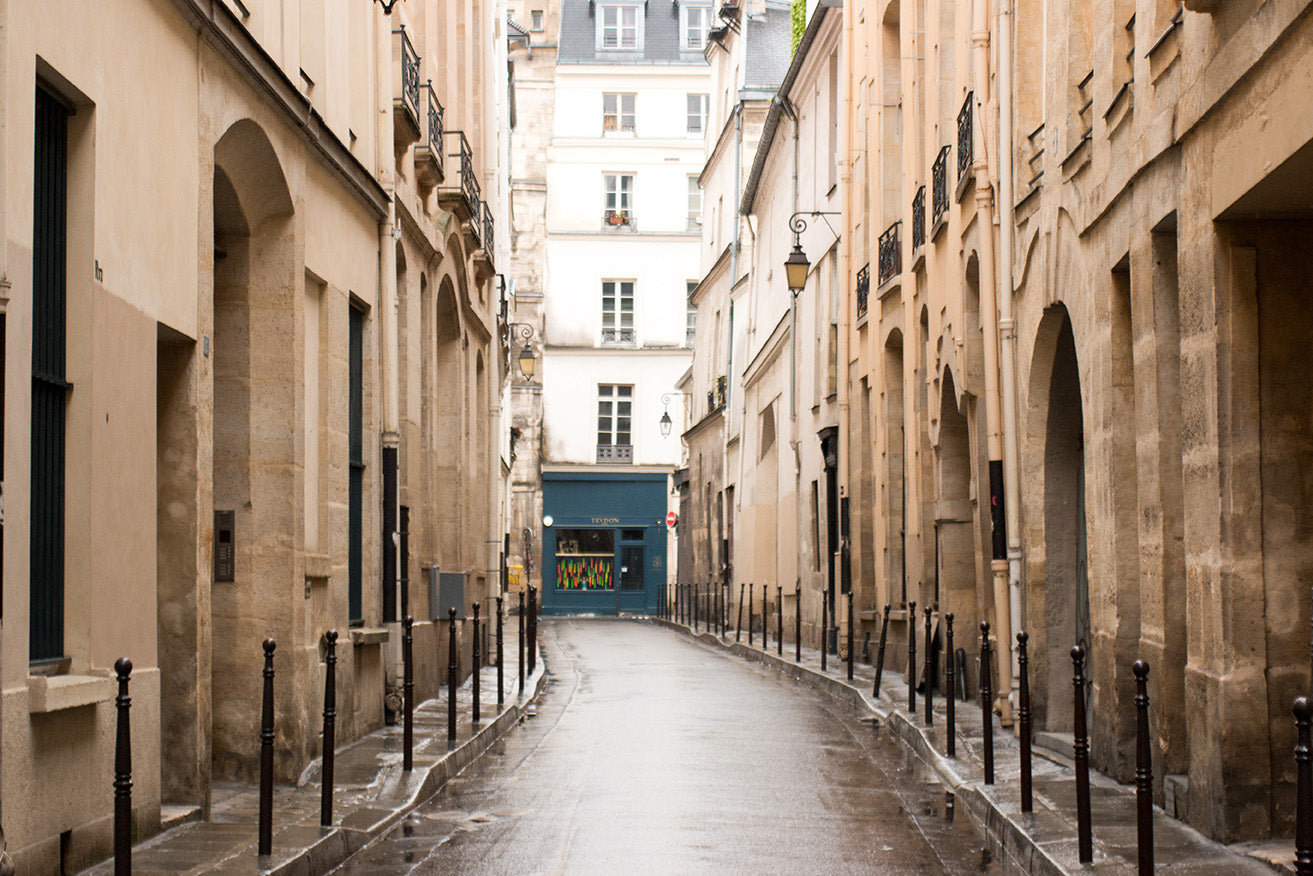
266	829
749	615
1023	720
330	729
519	631
797	623
879	655
738	619
408	693
950	687
1143	770
123	773
1081	748
501	676
1303	787
825	609
475	663
927	673
987	701
451	675
765	609
911	658
533	629
852	643
779	620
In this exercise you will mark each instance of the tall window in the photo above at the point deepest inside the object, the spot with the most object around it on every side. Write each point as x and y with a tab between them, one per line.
619	28
694	202
536	19
617	112
691	315
618	204
614	414
50	387
356	465
694	24
697	113
617	311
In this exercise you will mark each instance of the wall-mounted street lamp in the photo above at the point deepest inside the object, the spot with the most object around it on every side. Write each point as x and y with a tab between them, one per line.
665	420
387	6
796	265
526	358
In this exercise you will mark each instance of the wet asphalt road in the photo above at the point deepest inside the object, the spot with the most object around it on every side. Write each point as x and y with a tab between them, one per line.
651	753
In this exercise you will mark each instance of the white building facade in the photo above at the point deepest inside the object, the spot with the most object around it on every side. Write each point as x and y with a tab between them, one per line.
623	231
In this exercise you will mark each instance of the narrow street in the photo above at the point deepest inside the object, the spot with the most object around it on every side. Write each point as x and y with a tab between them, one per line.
651	753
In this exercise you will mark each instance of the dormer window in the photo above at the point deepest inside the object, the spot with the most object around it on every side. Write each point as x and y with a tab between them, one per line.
694	22
619	29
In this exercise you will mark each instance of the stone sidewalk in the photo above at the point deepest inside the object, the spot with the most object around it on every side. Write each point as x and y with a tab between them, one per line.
372	793
1043	841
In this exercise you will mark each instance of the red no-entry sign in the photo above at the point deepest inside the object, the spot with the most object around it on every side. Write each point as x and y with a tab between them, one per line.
671	518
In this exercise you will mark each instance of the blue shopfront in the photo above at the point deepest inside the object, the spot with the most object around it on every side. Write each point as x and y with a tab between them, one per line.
604	549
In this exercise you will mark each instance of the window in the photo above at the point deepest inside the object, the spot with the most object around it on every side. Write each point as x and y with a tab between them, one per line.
50	388
619	28
697	114
691	316
694	24
617	112
536	20
614	415
617	311
585	559
355	465
694	202
618	206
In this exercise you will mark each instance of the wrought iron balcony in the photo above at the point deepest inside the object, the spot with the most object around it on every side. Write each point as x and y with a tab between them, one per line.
618	337
428	154
891	253
615	453
488	239
405	100
939	186
964	135
918	219
464	199
716	395
863	289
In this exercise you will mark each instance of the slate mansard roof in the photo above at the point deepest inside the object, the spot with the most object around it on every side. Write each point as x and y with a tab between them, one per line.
767	49
578	43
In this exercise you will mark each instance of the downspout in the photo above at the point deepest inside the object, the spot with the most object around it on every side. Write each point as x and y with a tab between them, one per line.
6	863
387	303
787	108
845	272
729	346
989	303
1007	326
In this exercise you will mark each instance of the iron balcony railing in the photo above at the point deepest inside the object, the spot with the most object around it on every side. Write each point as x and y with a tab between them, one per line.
863	289
469	181
964	133
623	336
435	122
918	219
891	253
939	186
716	395
409	73
615	453
488	239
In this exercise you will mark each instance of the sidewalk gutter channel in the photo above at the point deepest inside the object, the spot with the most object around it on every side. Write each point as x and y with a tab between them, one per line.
1010	844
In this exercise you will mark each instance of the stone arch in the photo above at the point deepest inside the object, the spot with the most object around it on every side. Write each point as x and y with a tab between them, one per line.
895	469
257	458
448	377
953	582
1058	597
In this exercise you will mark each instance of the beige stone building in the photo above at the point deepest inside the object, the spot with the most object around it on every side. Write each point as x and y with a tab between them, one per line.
252	328
1068	398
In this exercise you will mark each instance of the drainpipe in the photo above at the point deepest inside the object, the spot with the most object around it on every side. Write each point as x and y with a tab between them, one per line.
1007	326
387	305
993	412
6	864
845	310
729	346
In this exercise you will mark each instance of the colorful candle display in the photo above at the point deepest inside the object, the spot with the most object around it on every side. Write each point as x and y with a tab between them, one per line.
584	573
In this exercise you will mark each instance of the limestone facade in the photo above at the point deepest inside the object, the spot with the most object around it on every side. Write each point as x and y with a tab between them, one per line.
271	304
1068	399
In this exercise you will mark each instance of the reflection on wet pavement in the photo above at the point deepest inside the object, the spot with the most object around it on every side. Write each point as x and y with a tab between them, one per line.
650	753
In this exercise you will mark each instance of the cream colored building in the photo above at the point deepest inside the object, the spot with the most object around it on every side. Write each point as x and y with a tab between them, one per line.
249	308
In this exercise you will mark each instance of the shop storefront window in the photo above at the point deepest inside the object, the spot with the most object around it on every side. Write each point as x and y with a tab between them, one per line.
585	559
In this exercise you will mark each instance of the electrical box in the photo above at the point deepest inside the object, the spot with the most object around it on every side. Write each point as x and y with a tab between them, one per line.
451	594
225	554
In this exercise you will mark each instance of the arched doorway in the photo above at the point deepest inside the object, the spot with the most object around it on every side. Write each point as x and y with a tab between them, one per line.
1067	596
